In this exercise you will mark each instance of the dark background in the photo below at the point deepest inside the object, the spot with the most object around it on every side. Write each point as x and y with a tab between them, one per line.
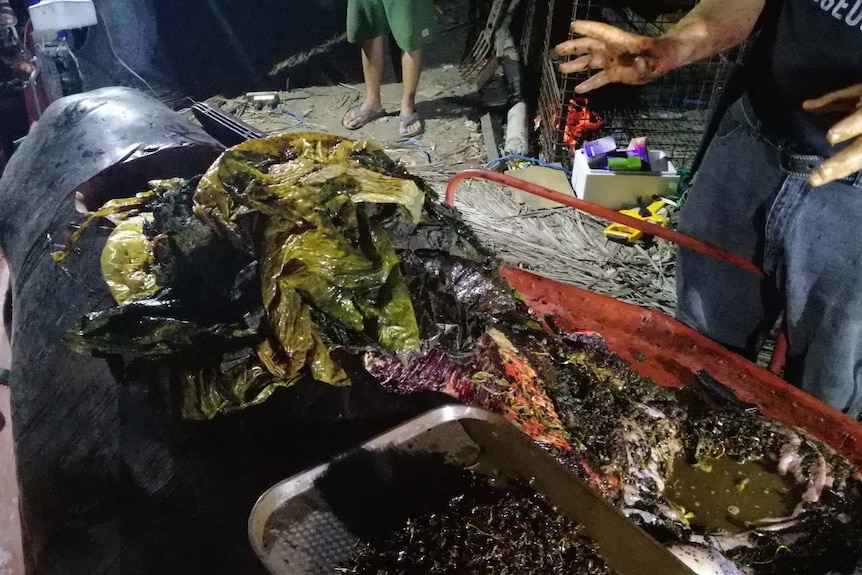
201	48
206	47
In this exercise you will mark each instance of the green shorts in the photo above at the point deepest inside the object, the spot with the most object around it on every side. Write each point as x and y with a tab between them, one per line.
410	21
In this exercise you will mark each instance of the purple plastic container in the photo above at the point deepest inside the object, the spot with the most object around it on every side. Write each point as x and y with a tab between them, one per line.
601	146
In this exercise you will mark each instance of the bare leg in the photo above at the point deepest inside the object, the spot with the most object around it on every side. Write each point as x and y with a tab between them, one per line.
372	70
411	70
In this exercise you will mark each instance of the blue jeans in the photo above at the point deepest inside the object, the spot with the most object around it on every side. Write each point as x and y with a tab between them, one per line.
751	197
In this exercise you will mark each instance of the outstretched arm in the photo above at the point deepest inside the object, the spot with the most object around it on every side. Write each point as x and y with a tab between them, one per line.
711	27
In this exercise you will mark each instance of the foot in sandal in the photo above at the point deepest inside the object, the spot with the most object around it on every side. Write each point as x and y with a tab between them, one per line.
410	125
359	117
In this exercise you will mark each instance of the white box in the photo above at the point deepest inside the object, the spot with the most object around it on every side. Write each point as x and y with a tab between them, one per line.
618	190
54	15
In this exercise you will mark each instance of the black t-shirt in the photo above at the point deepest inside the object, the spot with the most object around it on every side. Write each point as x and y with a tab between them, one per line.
807	48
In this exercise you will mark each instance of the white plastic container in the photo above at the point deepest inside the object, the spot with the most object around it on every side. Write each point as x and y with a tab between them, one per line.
618	190
54	15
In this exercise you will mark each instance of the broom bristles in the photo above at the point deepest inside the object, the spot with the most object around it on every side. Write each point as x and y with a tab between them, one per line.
569	246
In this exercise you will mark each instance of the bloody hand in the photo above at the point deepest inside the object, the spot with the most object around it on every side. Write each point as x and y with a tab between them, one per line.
621	56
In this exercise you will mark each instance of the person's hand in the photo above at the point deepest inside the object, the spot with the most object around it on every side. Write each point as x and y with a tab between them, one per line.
621	56
849	160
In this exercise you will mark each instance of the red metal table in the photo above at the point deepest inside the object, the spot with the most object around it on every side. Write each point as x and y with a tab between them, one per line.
663	349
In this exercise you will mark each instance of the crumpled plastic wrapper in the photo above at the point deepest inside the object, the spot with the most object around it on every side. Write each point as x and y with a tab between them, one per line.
286	260
127	261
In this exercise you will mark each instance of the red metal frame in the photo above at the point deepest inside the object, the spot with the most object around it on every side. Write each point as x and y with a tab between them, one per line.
694	244
36	98
670	353
663	349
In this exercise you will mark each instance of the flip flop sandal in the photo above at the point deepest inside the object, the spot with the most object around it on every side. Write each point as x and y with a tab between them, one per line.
405	121
7	16
361	118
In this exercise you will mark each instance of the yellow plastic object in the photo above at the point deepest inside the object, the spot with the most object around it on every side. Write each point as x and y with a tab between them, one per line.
118	208
127	261
655	213
322	246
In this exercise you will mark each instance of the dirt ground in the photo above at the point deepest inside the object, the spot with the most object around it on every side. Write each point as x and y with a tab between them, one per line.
450	107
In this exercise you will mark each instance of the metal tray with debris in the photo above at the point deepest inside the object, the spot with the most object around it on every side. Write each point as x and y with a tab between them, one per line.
307	525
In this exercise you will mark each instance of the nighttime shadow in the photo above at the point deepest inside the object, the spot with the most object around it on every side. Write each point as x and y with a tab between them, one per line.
451	107
233	47
373	493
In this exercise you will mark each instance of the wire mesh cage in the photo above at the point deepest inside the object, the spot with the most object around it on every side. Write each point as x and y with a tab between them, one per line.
533	38
672	111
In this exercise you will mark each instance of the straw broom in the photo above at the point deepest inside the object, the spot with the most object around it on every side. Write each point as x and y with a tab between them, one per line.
568	246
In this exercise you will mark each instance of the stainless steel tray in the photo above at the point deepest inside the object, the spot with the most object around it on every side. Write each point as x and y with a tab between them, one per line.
299	528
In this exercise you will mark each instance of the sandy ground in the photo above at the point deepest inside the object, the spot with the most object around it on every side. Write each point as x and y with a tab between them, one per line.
452	138
450	107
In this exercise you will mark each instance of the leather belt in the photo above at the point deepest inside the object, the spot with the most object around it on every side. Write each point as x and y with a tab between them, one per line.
804	164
